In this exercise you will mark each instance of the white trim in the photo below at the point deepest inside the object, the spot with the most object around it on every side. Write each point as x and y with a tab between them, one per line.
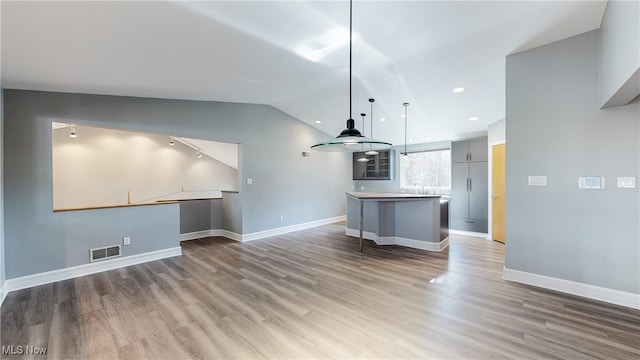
396	240
490	175
199	234
469	233
291	228
260	234
28	281
612	296
3	292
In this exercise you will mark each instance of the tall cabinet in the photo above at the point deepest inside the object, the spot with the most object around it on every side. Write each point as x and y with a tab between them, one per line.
469	185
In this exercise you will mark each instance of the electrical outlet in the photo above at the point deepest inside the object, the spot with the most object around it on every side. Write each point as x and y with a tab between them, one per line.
628	182
126	240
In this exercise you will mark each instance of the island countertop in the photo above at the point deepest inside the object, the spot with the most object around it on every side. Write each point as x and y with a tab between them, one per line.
389	196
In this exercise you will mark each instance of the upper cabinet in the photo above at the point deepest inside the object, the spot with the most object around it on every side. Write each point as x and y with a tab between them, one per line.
379	167
469	150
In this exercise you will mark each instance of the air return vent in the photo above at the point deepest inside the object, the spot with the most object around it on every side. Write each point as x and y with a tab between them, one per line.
104	253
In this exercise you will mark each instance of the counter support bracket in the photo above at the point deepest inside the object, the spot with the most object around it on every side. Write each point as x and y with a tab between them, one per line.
361	222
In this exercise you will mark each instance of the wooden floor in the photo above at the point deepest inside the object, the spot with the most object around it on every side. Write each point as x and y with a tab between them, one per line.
311	294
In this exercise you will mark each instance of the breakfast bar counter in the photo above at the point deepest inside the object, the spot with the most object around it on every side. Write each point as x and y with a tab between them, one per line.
412	220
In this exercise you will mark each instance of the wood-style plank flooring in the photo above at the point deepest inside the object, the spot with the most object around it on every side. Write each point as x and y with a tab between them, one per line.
312	295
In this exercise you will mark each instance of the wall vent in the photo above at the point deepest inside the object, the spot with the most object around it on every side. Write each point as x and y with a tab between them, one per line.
104	253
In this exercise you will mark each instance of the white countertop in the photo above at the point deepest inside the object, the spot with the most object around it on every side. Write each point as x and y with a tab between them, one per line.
389	196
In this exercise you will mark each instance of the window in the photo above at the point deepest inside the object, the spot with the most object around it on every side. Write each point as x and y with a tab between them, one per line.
427	172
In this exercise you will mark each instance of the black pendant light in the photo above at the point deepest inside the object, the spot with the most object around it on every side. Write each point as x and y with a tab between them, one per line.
371	152
405	154
364	157
350	137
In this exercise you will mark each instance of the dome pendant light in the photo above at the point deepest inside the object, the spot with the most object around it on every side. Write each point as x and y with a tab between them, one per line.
350	136
371	152
405	154
364	156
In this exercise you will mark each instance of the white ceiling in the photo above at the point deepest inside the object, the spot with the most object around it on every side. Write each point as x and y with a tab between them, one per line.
292	55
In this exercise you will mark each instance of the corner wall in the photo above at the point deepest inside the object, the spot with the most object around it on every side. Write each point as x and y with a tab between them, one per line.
299	189
619	53
588	239
3	276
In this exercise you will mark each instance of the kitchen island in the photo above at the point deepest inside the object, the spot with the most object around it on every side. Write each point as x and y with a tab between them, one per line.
412	220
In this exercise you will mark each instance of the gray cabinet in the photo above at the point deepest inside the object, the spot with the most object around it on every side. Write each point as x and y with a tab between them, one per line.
379	167
469	150
469	185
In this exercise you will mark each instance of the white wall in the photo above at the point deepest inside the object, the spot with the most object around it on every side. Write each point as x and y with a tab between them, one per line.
101	165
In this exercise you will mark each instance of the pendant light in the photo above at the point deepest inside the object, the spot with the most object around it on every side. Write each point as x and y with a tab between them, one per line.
405	154
350	137
371	152
364	157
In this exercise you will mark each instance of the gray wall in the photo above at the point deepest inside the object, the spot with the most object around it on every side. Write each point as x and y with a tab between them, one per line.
284	183
3	276
620	53
496	132
555	127
200	215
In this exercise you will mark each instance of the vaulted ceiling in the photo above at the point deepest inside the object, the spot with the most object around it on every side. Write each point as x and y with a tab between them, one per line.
293	55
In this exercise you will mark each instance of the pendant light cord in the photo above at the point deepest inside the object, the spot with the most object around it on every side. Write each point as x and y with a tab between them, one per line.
405	128
371	114
350	51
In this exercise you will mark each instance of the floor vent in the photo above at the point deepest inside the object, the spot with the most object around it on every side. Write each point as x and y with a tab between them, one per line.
104	253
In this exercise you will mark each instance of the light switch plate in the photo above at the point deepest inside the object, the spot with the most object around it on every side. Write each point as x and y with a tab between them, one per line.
628	182
537	180
249	181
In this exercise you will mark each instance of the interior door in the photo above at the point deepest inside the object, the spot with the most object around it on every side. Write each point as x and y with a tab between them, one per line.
498	192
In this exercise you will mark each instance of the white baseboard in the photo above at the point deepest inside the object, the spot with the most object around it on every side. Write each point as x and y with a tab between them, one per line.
612	296
28	281
260	234
469	233
287	229
396	240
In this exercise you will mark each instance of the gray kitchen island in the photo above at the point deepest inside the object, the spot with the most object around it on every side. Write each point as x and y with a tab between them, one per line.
412	220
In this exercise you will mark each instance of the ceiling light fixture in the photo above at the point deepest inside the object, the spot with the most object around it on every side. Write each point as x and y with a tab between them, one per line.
364	156
199	153
473	118
350	136
458	89
405	154
371	152
171	143
72	133
318	122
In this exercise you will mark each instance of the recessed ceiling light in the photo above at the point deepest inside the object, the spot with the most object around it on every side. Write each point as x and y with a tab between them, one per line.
410	140
402	116
473	118
428	137
318	122
382	119
458	89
